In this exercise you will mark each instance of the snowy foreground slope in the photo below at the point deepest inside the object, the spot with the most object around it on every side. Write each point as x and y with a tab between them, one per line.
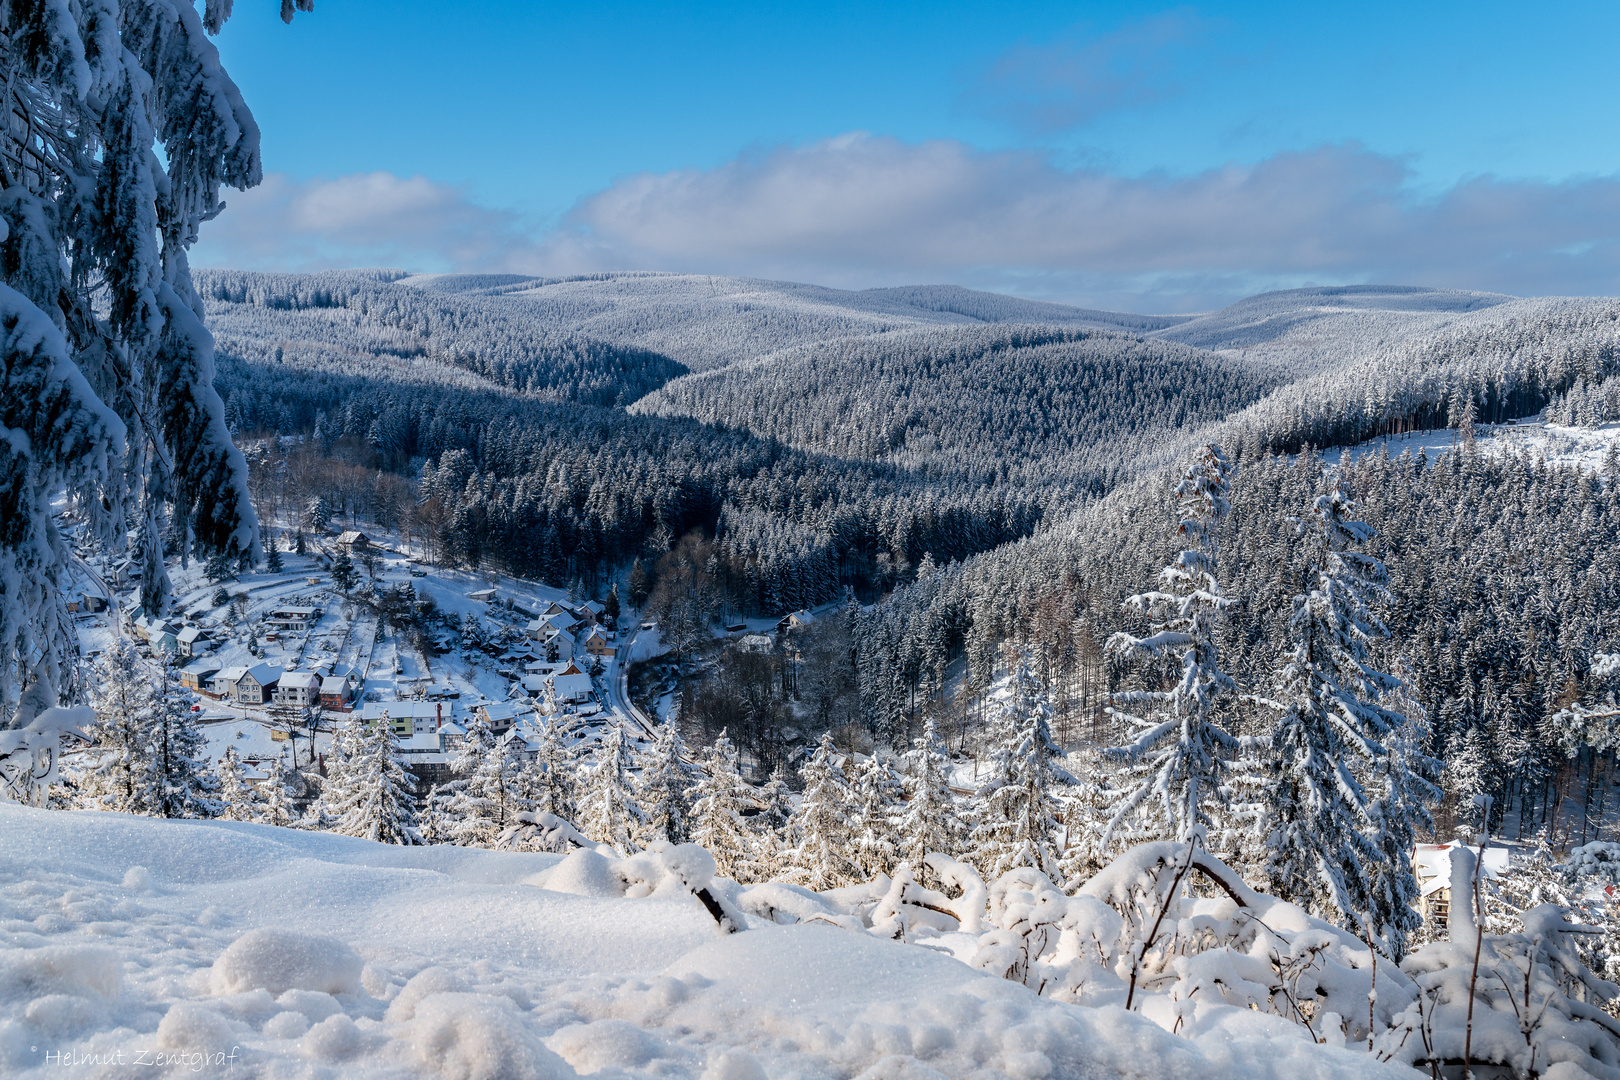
180	944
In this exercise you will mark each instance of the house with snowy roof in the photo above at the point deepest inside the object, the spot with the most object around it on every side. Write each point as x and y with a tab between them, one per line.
339	685
353	541
569	689
1432	865
160	634
255	685
796	620
199	676
500	715
300	688
600	643
755	643
223	684
192	640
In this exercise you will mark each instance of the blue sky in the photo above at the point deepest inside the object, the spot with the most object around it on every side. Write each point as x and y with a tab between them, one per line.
1125	155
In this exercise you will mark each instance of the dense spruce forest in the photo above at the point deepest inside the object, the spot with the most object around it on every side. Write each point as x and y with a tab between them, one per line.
976	488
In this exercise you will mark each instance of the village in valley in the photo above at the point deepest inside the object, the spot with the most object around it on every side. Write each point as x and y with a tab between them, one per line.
354	629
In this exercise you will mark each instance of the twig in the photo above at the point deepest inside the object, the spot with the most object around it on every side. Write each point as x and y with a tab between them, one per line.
1473	978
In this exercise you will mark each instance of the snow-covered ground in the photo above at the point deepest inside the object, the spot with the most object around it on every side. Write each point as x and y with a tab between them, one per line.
222	948
1585	448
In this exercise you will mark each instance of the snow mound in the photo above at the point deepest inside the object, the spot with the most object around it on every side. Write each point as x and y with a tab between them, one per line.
605	1044
582	873
280	960
481	1037
187	1026
60	969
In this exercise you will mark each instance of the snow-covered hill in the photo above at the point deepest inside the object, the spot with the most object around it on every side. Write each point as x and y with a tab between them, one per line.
219	948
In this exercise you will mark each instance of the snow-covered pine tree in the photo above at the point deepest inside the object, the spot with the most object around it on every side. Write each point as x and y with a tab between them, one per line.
822	831
178	782
474	808
240	799
548	779
770	825
932	821
278	806
1016	817
373	799
718	802
1471	775
343	572
878	791
608	811
1403	786
1320	838
665	788
124	695
1181	754
106	370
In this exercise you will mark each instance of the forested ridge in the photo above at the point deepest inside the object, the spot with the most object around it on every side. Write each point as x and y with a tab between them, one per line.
1071	411
996	486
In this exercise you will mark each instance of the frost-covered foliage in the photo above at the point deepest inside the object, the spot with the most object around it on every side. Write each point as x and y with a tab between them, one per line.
239	799
1587	404
931	821
487	794
1182	754
1016	811
367	793
608	810
822	830
718	801
664	787
1069	410
121	127
1321	840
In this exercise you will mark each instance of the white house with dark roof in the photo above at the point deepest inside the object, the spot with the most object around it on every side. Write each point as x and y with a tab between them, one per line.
192	640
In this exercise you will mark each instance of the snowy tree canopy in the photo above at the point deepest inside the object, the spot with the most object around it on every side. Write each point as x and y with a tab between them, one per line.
1181	751
106	381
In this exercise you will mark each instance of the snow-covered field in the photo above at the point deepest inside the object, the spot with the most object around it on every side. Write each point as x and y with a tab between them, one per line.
134	945
1584	448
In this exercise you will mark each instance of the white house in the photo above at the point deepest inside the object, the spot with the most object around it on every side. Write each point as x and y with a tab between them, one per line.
758	643
223	682
568	689
192	640
300	688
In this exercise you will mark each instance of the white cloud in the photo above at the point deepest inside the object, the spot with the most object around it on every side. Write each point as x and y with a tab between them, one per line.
862	210
365	219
